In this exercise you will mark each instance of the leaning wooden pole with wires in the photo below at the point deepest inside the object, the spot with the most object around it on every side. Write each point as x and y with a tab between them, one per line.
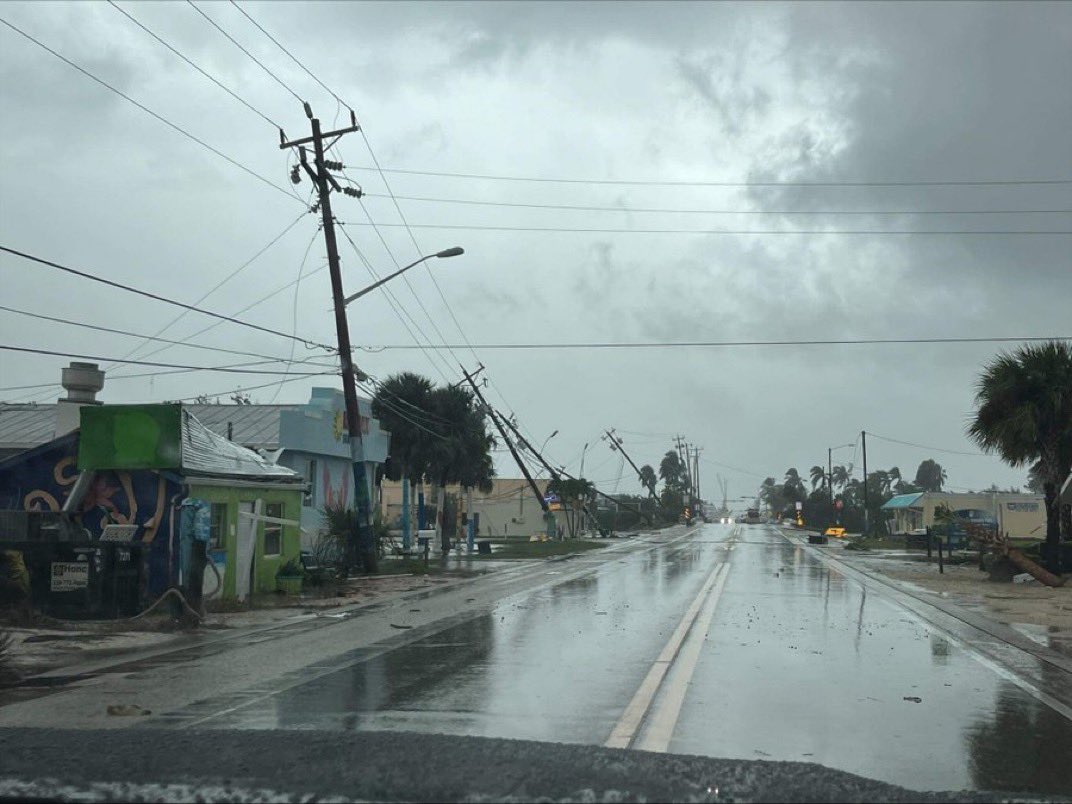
361	542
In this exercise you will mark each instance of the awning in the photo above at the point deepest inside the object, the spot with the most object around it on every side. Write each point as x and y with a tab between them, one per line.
902	501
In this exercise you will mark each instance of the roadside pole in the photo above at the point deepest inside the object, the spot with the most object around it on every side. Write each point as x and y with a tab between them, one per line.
548	516
325	182
830	480
867	515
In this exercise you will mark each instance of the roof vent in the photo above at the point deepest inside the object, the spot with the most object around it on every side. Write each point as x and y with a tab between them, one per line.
82	381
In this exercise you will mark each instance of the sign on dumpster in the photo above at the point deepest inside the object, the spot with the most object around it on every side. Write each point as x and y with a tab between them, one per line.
68	576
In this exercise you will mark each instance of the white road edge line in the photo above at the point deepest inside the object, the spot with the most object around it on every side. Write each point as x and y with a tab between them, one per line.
626	728
656	737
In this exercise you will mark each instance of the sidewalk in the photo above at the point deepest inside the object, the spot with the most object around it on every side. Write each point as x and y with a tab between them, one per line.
50	644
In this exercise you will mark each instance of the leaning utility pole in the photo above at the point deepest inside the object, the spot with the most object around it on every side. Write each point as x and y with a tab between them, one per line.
548	516
554	473
616	446
325	182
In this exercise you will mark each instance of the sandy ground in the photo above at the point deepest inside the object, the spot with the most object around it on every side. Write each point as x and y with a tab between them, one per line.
1042	613
51	644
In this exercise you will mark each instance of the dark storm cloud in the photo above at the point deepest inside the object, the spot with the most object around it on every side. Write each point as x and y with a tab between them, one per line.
682	91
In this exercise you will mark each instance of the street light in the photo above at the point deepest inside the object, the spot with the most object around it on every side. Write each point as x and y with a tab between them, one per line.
444	254
544	444
583	451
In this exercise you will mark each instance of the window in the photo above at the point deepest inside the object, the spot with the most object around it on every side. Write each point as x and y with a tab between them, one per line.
309	498
273	531
218	526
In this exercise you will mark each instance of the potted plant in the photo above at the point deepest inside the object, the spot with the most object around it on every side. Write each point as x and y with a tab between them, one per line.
289	577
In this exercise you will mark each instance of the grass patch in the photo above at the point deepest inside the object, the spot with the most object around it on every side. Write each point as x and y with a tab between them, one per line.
515	548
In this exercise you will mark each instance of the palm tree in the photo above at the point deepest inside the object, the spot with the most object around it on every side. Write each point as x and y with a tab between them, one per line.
648	478
672	471
461	448
839	476
1025	415
817	475
930	476
402	405
794	485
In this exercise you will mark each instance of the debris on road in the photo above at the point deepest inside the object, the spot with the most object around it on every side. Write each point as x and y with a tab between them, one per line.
913	699
127	710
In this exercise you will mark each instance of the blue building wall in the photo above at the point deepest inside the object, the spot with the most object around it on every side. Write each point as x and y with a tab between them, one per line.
314	444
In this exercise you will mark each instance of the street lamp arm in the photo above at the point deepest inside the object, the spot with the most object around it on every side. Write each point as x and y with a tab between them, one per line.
450	252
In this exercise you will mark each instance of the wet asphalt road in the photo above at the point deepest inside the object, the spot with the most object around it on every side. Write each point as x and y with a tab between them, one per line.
785	659
725	641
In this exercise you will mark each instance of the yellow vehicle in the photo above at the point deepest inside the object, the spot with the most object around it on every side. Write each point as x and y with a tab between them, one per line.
837	533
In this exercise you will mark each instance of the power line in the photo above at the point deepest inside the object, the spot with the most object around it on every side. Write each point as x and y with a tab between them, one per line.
247	388
399	309
292	57
596	230
164	299
248	307
146	109
143	375
707	344
933	449
417	248
233	41
99	328
230	369
217	286
596	208
405	279
666	183
226	89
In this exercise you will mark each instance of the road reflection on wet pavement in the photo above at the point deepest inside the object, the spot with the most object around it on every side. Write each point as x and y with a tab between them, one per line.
798	663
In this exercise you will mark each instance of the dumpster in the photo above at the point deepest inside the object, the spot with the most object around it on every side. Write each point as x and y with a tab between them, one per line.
71	575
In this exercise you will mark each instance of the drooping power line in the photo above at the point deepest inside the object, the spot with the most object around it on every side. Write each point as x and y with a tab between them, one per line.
160	298
146	109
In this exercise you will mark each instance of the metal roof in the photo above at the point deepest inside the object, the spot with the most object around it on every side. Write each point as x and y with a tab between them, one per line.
26	426
253	426
207	453
902	501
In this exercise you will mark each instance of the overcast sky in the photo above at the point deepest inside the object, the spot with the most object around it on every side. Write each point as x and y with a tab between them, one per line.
730	93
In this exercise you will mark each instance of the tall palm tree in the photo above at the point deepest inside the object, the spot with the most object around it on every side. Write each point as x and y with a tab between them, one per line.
648	478
461	448
402	405
817	475
1024	414
672	471
839	476
930	476
794	485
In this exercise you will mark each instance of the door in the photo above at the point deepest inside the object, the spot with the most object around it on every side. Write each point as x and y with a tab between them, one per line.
244	547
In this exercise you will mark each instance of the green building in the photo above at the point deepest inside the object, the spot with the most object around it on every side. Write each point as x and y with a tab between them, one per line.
255	505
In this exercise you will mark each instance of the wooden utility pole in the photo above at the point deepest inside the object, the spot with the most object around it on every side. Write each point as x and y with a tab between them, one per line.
325	183
863	437
549	517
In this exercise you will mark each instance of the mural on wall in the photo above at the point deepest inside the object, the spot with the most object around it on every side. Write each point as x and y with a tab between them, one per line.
42	480
335	494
